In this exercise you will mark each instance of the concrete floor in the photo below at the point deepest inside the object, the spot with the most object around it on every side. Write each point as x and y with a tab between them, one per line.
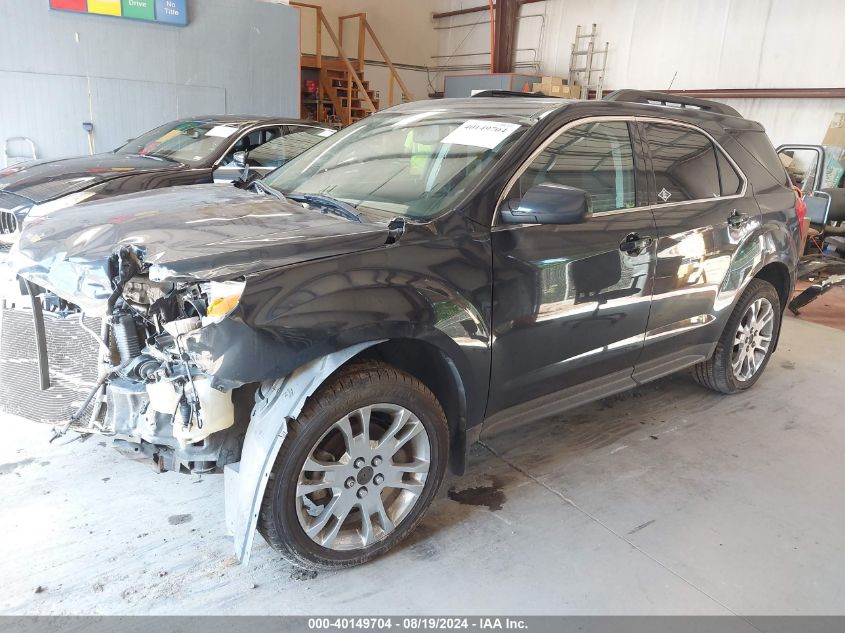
665	500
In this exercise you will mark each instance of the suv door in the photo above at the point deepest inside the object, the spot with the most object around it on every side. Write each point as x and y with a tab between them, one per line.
703	211
808	170
570	308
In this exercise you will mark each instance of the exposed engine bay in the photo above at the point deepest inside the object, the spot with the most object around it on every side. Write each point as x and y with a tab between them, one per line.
150	395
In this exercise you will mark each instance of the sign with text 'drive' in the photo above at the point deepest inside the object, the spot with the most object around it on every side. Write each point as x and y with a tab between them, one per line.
162	11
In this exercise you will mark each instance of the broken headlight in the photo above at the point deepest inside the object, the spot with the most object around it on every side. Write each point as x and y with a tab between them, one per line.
223	298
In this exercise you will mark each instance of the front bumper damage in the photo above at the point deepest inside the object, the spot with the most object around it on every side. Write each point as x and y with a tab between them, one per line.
148	393
193	388
186	396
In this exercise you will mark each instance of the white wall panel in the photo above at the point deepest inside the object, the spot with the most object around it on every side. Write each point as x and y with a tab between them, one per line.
708	43
238	57
50	103
123	108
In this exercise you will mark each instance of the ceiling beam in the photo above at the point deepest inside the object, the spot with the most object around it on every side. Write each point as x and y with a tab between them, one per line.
482	8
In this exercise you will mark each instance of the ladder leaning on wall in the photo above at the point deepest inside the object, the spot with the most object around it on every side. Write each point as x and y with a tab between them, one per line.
590	73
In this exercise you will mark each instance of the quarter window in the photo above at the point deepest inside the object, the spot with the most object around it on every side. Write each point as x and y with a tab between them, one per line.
728	178
595	157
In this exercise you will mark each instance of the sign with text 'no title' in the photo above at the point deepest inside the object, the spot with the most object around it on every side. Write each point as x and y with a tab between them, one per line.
162	11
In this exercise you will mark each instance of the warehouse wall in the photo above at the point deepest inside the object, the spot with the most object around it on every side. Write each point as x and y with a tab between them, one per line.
58	69
708	43
404	28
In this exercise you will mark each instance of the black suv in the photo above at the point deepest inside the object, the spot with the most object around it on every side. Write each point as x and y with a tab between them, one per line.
337	334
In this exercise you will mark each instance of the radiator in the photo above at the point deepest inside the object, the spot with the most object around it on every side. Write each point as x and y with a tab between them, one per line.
73	357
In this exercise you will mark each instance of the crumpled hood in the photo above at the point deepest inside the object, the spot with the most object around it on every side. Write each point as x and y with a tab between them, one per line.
199	232
44	180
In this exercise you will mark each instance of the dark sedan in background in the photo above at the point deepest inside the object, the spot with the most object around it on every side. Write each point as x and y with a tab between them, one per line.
189	151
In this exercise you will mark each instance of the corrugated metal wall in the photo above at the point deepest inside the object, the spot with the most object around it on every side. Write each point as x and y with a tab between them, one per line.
59	69
708	43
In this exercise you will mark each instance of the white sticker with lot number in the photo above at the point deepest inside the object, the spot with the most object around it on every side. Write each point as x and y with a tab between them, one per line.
223	131
479	133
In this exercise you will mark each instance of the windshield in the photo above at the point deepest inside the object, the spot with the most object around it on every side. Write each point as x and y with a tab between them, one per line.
413	165
190	142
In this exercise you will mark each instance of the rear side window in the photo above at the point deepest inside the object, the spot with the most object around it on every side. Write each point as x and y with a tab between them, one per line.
595	157
684	163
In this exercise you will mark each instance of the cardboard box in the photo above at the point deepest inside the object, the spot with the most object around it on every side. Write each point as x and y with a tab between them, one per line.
557	90
553	81
835	133
566	92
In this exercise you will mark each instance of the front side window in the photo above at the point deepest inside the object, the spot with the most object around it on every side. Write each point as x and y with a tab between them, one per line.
276	152
250	143
595	157
414	165
684	163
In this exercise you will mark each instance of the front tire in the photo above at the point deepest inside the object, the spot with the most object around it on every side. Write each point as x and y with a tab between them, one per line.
747	342
357	470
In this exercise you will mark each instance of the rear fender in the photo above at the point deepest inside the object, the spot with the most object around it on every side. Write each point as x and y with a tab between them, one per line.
770	243
276	402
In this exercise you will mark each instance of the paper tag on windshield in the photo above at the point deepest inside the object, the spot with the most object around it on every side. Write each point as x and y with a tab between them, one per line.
479	133
223	131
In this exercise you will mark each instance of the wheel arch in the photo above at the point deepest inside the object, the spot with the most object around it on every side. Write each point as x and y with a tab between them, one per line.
282	399
777	274
437	371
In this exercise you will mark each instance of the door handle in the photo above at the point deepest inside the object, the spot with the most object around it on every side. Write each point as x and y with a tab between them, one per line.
634	244
737	219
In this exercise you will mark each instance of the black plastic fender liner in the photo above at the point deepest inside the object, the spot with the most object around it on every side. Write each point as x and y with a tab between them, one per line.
40	336
276	402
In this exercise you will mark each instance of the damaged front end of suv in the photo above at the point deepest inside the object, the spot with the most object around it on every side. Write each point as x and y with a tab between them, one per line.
158	402
183	365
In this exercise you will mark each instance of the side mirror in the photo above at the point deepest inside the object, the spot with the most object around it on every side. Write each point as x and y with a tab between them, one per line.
549	203
239	158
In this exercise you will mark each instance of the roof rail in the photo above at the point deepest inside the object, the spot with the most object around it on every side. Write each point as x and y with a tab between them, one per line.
509	93
662	98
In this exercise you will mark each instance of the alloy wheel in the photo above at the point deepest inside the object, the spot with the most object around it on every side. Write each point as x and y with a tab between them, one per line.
753	339
363	477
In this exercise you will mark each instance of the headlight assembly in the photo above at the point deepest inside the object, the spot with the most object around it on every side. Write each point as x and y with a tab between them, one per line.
223	297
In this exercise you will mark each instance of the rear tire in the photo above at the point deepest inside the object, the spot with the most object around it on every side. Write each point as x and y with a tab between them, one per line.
353	470
747	342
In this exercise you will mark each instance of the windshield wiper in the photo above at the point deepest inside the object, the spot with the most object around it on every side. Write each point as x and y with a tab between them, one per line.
328	205
153	156
260	186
